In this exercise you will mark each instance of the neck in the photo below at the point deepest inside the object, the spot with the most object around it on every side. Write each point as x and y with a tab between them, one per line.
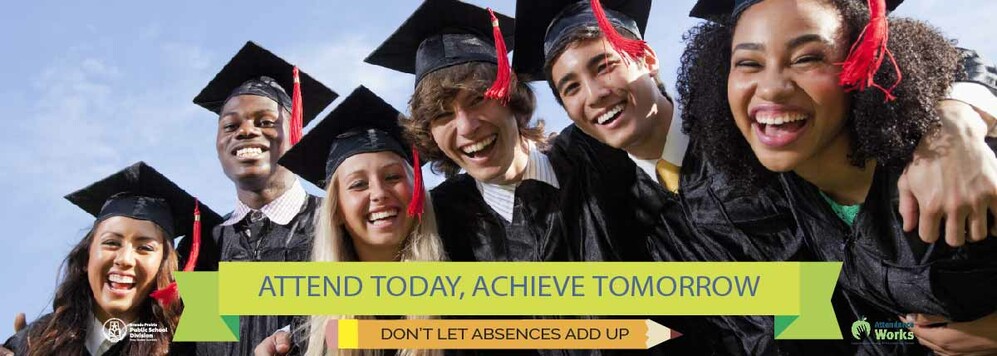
367	253
834	175
102	316
256	198
517	168
654	143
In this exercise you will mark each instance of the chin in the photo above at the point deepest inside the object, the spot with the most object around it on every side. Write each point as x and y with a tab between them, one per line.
778	162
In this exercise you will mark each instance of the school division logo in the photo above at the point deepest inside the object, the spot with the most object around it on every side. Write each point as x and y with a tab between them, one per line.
115	329
861	329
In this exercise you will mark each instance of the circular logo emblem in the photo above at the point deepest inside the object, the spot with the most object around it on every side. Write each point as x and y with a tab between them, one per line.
115	329
861	329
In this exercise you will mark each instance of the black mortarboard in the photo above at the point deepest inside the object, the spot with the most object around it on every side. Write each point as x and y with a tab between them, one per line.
257	71
712	9
542	26
140	192
439	34
362	123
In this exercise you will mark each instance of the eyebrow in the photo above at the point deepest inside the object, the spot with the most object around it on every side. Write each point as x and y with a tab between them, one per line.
251	114
799	41
748	47
601	57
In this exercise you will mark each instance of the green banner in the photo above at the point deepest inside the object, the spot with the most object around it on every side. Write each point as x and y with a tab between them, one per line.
797	293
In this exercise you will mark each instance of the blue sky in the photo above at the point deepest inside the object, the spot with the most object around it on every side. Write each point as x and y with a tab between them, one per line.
94	86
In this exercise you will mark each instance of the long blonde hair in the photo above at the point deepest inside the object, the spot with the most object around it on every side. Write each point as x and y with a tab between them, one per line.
333	244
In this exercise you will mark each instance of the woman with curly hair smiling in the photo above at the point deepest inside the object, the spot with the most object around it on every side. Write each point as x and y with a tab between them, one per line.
801	96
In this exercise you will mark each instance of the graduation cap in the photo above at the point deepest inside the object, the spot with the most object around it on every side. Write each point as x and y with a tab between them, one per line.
712	9
865	57
362	123
140	192
444	33
543	26
257	71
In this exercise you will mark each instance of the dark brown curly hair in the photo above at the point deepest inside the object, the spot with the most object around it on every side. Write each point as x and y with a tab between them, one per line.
887	132
436	93
64	332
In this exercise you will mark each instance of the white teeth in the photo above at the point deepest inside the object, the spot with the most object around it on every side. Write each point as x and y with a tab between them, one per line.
609	114
478	146
248	152
117	278
383	215
779	118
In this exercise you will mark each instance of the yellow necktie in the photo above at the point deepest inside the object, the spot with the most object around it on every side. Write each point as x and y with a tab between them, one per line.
668	175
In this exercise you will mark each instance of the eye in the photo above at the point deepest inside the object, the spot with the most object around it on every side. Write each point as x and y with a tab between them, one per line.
229	127
111	243
475	100
147	248
810	58
268	123
357	185
606	66
393	177
443	116
747	63
569	89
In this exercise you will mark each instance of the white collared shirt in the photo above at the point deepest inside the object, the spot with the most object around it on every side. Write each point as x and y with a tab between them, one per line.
677	142
97	344
280	210
502	197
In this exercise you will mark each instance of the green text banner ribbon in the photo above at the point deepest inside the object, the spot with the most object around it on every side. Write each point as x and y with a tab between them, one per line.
797	293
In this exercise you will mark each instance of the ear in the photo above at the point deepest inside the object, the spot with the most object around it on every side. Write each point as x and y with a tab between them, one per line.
651	61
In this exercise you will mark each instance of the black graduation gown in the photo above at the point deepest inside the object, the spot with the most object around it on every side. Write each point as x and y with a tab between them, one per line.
549	224
264	241
888	272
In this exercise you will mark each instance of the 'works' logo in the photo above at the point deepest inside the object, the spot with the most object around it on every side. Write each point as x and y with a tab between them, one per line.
861	329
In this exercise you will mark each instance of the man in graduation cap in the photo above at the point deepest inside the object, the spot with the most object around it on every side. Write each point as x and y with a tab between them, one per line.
258	120
594	61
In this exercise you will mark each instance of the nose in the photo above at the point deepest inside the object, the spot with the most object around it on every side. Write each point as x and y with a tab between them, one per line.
125	258
467	122
774	86
378	191
598	92
247	129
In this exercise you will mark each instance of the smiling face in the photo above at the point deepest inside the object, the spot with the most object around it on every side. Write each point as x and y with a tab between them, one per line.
783	84
251	132
125	256
482	137
373	192
615	103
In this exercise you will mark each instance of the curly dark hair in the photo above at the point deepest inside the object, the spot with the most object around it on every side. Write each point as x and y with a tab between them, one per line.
436	93
64	333
887	132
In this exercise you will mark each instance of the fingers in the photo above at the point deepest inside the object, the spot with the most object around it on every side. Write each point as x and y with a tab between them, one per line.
6	352
19	322
908	205
928	224
955	227
282	342
928	319
978	221
266	348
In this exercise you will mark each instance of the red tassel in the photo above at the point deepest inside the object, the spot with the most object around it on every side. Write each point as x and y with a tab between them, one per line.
297	111
503	79
166	296
170	294
195	245
415	206
629	48
868	52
